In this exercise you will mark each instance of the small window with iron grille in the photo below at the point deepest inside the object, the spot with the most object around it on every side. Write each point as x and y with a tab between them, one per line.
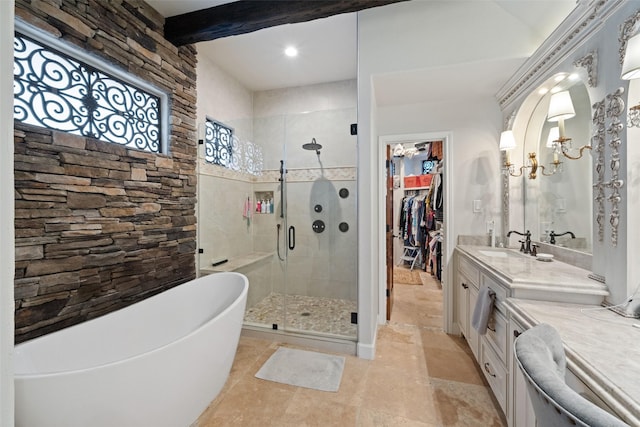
219	147
55	90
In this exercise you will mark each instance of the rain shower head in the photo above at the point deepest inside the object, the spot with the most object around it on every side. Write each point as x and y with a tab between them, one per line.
312	146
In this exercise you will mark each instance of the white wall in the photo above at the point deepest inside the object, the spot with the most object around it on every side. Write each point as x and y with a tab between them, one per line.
223	98
7	266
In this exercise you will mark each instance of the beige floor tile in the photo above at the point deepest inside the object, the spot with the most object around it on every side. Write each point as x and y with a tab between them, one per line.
407	395
466	405
250	402
373	418
438	339
317	411
453	366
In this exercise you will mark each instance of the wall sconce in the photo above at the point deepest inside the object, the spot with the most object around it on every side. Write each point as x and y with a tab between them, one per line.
554	135
508	143
630	71
561	109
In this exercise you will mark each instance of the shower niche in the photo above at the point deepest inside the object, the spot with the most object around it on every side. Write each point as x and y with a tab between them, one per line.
263	202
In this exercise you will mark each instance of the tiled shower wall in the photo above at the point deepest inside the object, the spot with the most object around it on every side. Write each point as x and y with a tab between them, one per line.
99	226
279	121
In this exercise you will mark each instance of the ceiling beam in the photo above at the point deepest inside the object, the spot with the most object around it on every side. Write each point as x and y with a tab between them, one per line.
246	16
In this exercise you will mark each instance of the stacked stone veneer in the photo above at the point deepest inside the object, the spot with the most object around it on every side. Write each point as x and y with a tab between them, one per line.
100	226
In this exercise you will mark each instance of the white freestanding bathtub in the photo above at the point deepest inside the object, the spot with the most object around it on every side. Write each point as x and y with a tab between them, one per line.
159	362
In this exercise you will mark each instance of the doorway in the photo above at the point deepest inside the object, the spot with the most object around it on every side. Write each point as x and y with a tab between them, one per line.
420	254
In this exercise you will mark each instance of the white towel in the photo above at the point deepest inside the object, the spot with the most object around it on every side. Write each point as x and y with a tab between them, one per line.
482	310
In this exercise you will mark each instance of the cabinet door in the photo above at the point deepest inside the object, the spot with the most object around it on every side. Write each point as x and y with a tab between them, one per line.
473	338
462	304
520	409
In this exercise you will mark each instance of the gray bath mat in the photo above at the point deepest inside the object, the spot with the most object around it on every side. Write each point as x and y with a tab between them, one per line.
303	369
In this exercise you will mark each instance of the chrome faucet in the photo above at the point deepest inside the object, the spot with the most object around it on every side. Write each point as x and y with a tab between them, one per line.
553	235
526	243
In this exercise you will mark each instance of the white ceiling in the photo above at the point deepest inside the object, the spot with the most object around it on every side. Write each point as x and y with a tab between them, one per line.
328	49
327	53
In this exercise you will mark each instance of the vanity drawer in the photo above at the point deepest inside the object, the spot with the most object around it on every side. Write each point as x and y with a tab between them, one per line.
501	293
497	334
469	269
496	374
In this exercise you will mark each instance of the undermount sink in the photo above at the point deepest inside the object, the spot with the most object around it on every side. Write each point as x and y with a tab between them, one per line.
496	254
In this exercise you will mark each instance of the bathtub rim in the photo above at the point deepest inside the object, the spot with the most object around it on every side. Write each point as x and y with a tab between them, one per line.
243	293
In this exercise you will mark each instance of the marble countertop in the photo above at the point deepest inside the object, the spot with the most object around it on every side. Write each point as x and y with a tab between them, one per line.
529	277
602	347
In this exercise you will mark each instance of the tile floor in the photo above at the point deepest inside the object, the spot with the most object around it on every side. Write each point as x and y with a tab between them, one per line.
420	377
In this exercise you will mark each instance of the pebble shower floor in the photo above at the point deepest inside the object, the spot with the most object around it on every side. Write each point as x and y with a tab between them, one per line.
304	313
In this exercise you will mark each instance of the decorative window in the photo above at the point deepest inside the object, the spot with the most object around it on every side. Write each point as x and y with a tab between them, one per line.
54	90
219	145
222	147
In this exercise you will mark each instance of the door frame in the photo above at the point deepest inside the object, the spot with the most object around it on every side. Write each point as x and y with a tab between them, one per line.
449	240
388	236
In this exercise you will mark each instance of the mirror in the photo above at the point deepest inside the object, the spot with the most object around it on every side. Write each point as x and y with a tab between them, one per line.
559	201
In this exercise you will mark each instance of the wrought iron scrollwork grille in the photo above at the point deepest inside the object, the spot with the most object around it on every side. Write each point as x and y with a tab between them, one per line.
218	145
54	90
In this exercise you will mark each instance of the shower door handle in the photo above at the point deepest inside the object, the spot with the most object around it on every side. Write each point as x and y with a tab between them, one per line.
292	237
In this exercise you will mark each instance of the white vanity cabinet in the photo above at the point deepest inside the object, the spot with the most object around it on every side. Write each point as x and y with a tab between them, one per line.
490	349
468	280
527	293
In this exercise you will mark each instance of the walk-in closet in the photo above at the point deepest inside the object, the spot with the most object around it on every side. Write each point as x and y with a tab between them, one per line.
418	206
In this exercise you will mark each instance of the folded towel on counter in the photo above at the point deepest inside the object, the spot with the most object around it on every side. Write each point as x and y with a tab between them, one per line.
482	310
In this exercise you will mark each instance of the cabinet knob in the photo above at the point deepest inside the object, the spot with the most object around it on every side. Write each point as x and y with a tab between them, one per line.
464	285
516	333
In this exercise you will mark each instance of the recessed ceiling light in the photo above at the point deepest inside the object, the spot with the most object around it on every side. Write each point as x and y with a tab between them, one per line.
291	51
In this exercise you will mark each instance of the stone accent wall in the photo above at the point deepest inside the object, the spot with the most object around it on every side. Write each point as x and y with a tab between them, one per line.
100	226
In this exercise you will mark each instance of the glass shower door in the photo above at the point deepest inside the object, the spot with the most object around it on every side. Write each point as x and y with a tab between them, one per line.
320	268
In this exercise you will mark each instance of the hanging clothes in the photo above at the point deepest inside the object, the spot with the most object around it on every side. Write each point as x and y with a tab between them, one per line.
412	221
436	150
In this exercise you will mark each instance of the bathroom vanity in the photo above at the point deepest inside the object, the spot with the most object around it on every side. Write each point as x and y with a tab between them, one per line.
603	362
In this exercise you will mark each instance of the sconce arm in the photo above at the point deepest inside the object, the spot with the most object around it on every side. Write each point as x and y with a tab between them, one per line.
542	168
569	156
509	169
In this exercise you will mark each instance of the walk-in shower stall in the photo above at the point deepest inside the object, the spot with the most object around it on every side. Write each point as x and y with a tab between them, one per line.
288	221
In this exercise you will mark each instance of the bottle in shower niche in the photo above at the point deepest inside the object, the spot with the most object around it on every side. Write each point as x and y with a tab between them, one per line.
258	207
271	206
